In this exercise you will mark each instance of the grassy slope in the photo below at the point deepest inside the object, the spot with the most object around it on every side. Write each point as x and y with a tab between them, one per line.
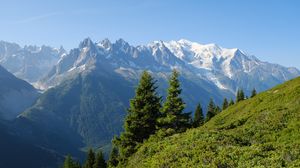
263	131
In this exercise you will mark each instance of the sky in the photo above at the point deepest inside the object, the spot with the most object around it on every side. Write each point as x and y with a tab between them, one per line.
268	29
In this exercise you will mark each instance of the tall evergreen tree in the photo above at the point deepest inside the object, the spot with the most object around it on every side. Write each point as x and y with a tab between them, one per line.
113	157
217	110
198	116
70	163
231	102
240	95
90	160
225	104
99	162
141	119
253	93
173	118
210	110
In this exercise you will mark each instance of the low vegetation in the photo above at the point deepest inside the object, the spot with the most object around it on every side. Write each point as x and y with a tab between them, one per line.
263	131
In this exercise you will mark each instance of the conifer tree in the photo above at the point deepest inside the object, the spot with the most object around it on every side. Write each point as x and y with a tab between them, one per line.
113	157
231	102
90	160
70	163
217	110
173	118
210	110
253	93
225	104
240	95
198	118
99	161
141	120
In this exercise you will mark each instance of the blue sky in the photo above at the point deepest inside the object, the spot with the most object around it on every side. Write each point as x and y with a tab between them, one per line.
268	29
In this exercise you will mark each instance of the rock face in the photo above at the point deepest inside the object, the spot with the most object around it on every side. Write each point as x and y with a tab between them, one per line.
226	69
16	95
29	63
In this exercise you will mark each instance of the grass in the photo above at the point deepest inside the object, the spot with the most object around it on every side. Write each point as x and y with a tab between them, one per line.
263	131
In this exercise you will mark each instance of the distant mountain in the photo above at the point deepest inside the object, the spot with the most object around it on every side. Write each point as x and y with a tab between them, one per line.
29	63
15	95
262	131
226	69
90	87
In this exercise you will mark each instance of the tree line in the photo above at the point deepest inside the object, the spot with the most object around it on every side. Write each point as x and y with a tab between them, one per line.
93	160
148	115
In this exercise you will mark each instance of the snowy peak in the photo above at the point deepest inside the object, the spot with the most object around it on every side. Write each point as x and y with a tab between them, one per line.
86	43
105	44
30	62
225	68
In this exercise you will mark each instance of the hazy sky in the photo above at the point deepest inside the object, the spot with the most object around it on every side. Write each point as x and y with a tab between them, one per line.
268	29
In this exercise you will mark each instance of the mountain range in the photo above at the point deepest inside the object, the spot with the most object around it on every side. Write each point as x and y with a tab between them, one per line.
30	62
86	91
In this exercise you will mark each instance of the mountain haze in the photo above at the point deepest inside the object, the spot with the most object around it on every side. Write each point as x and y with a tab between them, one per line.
92	84
16	95
29	63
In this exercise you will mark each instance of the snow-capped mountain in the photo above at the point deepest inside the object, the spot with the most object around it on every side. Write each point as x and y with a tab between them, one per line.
29	63
227	69
94	82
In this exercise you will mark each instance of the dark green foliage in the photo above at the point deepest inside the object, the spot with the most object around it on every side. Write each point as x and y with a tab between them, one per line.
225	104
240	95
113	157
211	110
140	121
99	162
259	132
231	102
198	116
70	163
90	160
253	93
173	118
217	110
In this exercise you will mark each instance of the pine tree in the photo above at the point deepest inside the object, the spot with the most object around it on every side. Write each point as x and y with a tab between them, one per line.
99	162
198	118
113	157
217	110
90	160
173	118
225	104
70	163
240	95
231	102
210	110
141	120
253	93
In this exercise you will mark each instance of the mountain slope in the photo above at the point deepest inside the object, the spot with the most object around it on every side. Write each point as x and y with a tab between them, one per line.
16	95
85	110
262	131
29	63
17	152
